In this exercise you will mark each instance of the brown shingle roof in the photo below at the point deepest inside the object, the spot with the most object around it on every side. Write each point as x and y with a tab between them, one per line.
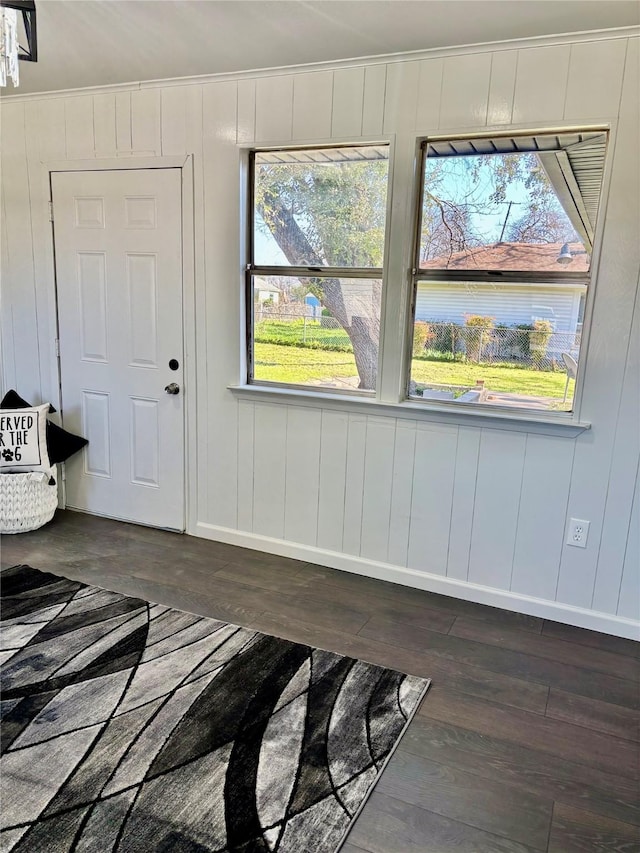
536	257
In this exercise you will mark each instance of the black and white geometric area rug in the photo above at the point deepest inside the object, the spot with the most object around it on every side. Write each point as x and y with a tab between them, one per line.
130	726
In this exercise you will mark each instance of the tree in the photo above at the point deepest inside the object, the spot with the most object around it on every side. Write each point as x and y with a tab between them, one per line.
332	215
543	222
468	201
446	228
447	225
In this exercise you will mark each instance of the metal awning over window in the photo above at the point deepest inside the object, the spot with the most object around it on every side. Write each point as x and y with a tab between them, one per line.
351	153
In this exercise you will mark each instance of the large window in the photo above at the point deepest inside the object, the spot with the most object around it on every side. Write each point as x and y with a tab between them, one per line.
314	278
502	268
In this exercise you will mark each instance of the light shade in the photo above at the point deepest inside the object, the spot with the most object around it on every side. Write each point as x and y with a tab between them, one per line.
565	256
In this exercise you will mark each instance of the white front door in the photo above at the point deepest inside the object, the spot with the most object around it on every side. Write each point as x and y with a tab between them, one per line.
118	256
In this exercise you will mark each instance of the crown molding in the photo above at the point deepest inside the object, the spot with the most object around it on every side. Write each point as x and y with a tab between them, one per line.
331	65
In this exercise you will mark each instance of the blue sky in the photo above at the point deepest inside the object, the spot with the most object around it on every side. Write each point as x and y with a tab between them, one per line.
454	183
267	251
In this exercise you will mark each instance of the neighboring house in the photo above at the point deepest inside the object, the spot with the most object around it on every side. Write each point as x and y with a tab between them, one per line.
264	291
511	303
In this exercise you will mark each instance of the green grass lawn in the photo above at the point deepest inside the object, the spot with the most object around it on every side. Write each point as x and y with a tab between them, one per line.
299	365
292	332
509	378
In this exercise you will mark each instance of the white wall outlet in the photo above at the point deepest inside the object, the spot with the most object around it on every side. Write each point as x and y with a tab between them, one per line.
578	532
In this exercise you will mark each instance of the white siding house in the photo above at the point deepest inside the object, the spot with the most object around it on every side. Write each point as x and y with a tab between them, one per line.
264	291
509	304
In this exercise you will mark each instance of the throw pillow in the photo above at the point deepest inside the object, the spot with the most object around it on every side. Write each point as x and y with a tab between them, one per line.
23	439
61	443
13	400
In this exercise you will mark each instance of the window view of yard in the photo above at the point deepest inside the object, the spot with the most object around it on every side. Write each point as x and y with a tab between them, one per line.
323	211
501	268
303	351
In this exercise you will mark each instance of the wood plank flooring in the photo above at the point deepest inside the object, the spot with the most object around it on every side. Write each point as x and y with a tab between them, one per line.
528	740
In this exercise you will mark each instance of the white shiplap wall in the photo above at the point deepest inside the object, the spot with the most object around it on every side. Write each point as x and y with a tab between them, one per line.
469	510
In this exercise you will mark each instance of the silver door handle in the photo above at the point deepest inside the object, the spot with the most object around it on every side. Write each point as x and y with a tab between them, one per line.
172	388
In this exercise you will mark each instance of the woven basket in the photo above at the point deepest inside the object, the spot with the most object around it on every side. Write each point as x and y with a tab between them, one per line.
27	501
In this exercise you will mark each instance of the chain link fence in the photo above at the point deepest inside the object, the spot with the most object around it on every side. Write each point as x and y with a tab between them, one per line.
531	348
321	332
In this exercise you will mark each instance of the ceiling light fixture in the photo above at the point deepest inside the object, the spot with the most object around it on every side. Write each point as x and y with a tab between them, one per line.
10	49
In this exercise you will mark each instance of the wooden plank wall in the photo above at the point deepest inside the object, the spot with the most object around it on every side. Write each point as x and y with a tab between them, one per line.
483	505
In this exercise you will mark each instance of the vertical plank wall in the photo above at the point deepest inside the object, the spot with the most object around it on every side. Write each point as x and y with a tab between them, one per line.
474	505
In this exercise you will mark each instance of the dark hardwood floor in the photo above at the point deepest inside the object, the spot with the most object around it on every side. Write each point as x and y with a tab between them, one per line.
528	739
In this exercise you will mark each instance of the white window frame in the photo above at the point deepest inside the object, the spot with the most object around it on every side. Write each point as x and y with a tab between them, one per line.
416	276
403	206
253	269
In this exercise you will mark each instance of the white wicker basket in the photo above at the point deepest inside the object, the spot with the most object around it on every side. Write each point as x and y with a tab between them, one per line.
27	501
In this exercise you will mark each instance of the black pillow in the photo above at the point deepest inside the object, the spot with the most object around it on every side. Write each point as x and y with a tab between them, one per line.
13	400
61	444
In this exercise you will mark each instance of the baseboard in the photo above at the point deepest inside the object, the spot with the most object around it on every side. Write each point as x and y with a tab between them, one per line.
607	623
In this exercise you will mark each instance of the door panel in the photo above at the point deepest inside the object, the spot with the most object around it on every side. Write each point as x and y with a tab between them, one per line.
118	250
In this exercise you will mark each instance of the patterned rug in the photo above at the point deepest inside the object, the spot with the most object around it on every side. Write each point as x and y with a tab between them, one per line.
130	726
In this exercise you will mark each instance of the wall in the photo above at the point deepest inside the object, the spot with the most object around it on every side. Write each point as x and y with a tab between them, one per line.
469	509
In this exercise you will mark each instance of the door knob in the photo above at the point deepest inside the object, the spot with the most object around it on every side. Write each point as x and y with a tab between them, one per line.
172	388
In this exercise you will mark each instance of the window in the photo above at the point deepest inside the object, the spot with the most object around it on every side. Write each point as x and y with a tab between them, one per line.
314	278
502	268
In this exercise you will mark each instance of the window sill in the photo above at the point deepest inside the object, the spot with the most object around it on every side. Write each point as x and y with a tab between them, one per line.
469	414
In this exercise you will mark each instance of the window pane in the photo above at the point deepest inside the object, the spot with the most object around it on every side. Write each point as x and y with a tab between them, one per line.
321	208
323	332
501	345
504	212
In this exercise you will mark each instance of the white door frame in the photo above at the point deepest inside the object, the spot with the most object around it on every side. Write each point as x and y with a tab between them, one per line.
185	164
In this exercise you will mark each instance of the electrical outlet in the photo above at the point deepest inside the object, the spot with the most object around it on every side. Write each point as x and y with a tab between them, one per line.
578	532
